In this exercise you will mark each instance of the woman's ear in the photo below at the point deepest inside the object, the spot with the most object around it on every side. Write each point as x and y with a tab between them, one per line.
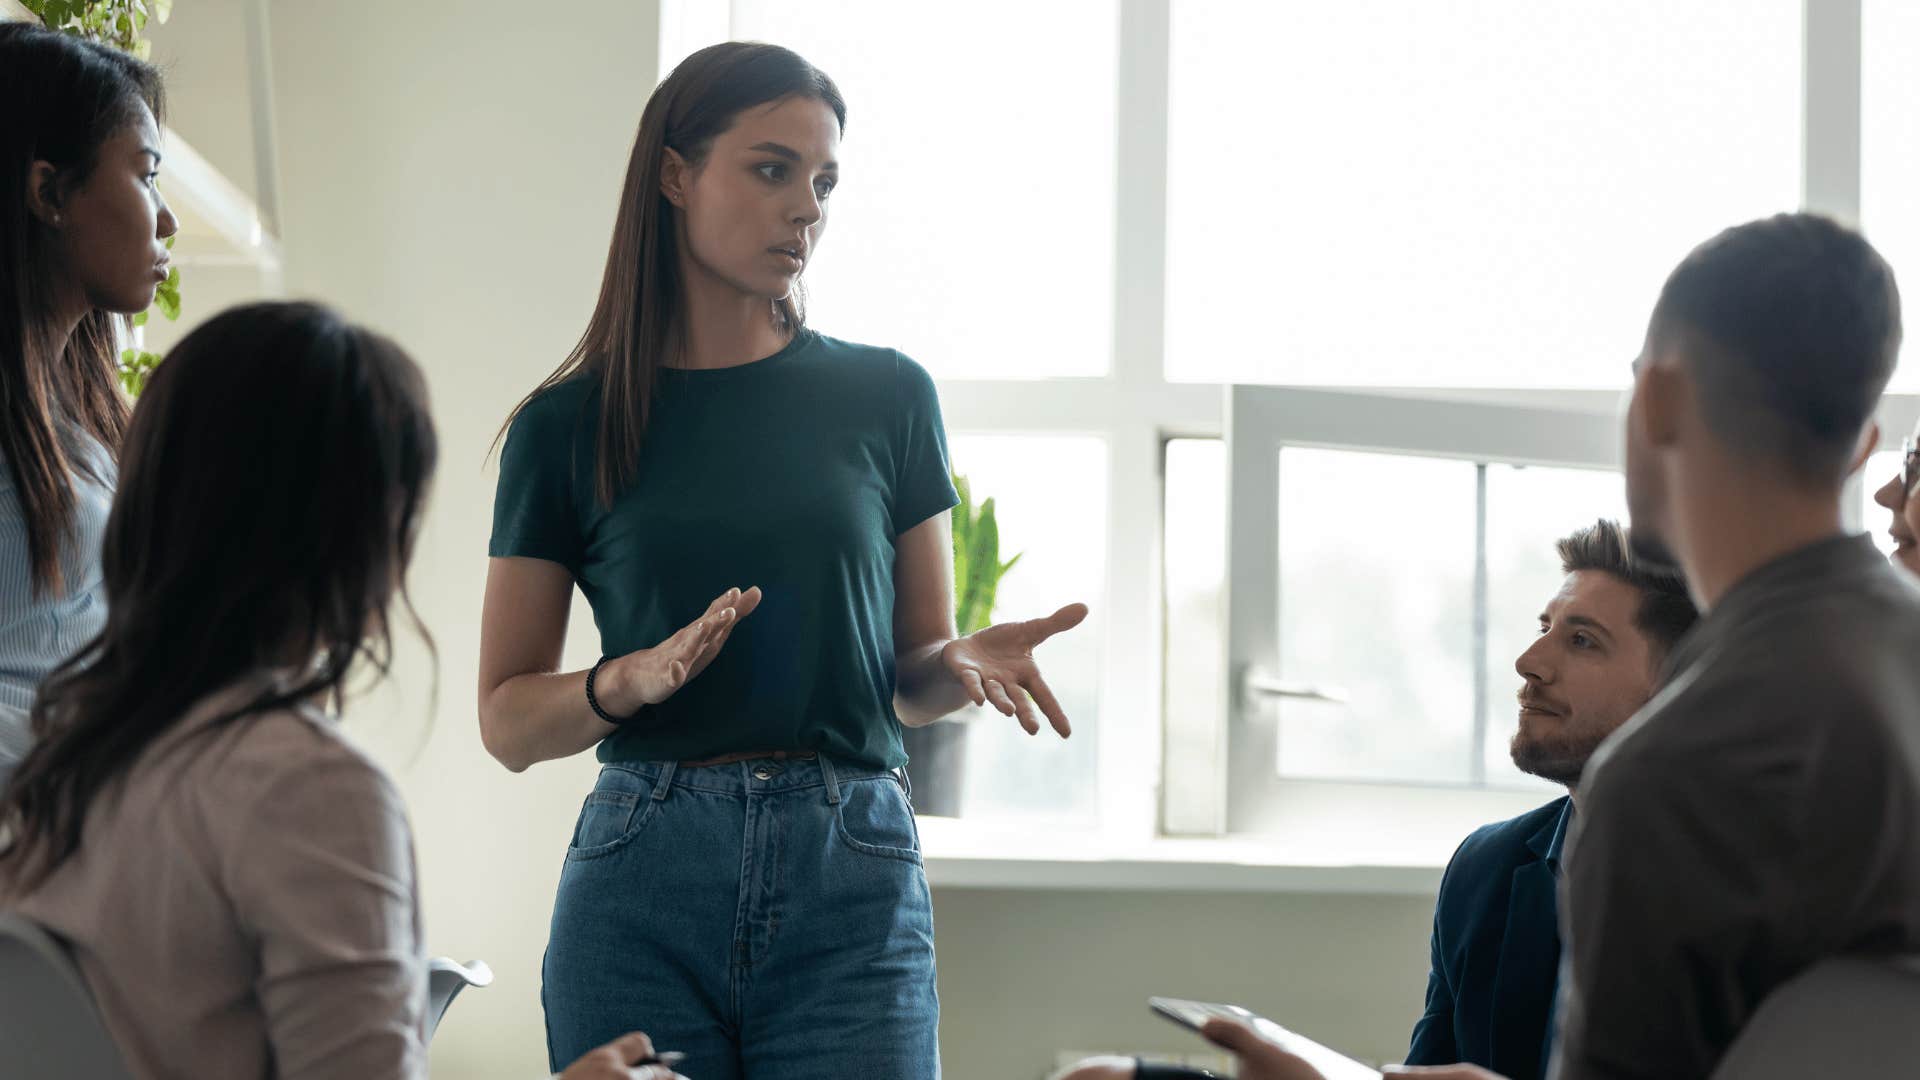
675	176
43	194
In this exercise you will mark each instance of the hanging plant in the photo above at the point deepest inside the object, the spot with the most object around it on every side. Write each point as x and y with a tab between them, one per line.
120	24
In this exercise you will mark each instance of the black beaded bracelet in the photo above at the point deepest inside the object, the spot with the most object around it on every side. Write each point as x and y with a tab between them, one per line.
594	702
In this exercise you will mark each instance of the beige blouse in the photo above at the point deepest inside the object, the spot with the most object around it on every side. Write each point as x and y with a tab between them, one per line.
243	905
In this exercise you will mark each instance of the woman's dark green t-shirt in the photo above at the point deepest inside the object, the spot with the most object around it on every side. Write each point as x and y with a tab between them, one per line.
795	473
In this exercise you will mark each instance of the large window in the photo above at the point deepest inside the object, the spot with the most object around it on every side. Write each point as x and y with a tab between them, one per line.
1889	153
1392	192
1098	220
1050	499
975	225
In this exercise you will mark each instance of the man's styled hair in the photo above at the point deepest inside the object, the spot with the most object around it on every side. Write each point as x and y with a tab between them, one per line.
1666	610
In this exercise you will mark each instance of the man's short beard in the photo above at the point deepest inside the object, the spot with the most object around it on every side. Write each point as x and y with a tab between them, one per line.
1553	761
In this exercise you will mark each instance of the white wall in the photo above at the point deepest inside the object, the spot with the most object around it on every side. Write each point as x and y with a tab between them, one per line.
449	172
1023	974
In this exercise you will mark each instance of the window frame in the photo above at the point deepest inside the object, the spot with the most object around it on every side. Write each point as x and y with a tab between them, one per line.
1136	409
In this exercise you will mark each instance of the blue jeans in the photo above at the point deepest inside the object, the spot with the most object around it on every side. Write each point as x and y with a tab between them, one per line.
770	919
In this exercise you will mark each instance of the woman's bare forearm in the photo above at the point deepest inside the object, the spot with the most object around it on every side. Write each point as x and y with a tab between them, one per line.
544	716
924	690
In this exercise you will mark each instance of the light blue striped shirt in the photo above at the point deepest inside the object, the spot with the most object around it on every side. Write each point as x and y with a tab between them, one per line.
38	632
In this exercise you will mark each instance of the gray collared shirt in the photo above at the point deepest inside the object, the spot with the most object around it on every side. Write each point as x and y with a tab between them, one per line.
1760	813
39	630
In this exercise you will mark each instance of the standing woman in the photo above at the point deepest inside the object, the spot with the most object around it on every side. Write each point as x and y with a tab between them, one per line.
82	243
757	515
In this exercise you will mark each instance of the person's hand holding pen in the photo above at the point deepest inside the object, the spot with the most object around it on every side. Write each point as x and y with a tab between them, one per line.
629	1057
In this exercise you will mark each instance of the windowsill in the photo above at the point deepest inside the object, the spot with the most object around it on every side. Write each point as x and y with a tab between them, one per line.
965	855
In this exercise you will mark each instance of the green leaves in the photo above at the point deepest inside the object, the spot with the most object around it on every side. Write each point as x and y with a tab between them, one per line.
135	366
977	568
118	23
166	296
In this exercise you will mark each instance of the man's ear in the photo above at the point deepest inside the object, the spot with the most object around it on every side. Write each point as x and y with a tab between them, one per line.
1869	442
44	198
1666	397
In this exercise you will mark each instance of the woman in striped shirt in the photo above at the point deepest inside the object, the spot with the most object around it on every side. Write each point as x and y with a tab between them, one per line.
83	235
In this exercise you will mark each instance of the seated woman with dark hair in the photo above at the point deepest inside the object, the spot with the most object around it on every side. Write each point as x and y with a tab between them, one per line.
235	879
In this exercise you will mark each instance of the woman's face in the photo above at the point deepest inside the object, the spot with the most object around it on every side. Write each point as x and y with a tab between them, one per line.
1906	518
112	229
754	210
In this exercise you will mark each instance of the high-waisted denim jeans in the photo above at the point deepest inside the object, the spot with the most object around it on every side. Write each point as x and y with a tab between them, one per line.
769	918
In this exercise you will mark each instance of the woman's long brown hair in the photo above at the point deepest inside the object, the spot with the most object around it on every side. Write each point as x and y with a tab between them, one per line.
64	98
637	318
270	489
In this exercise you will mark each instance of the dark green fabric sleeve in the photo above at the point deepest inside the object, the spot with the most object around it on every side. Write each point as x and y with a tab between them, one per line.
923	479
534	510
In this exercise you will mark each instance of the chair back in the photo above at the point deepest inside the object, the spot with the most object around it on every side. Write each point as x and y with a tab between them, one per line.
1847	1016
49	1026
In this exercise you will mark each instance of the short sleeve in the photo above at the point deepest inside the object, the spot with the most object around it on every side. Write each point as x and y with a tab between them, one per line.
535	514
923	478
323	881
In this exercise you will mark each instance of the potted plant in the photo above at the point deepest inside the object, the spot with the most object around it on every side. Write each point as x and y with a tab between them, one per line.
937	753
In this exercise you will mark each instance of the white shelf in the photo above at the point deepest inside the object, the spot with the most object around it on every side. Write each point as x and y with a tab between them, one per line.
219	224
964	855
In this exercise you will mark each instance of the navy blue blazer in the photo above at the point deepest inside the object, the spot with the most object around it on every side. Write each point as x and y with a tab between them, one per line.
1496	949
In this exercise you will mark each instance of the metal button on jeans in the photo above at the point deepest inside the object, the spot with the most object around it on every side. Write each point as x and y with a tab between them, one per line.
763	773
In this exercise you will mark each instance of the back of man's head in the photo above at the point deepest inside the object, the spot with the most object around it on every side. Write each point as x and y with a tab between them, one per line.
1789	326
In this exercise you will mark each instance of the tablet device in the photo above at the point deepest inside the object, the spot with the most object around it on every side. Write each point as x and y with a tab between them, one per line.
1332	1064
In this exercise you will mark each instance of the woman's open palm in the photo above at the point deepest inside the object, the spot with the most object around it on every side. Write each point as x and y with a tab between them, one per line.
996	666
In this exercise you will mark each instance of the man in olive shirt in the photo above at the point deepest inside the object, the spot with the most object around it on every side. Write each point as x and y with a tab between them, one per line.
1763	811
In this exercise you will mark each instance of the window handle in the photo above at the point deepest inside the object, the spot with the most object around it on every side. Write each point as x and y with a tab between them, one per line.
1260	684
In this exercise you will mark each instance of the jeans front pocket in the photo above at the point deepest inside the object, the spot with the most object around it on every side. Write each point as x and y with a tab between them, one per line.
873	818
614	813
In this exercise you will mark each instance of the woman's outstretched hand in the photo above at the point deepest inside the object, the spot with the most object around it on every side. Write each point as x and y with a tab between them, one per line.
996	666
651	676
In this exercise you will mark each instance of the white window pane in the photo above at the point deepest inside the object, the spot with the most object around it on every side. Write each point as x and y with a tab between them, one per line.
1050	500
1889	153
1376	599
1876	519
1401	192
1528	511
1195	545
974	228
